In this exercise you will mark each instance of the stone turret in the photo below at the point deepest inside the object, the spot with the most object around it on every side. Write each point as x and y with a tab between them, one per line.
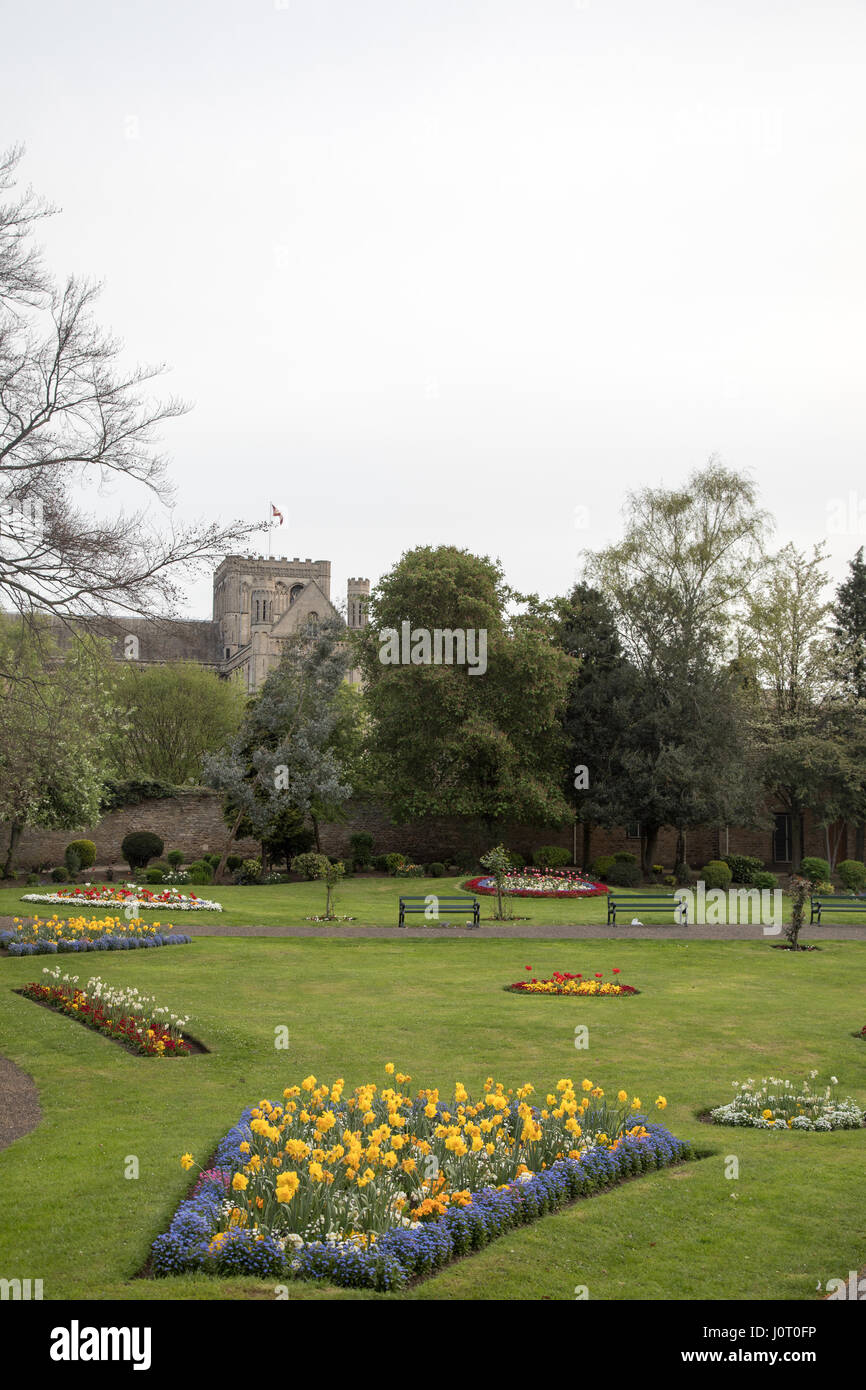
357	594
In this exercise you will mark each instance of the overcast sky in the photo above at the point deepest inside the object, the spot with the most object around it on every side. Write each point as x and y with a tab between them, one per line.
446	270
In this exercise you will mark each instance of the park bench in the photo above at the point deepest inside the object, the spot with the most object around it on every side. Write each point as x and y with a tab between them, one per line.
645	902
819	901
454	902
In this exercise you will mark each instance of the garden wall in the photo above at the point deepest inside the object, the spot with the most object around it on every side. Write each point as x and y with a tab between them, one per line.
192	821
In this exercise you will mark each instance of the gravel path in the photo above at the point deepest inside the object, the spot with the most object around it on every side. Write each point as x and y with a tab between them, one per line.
526	931
19	1103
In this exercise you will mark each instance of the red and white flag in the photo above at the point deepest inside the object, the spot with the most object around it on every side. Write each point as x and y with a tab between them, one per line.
275	512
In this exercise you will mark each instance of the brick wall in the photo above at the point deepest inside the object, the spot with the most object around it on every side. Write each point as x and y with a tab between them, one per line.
192	821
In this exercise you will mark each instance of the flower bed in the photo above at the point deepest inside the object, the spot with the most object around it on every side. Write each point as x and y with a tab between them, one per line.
380	1188
122	895
779	1104
584	986
38	938
125	1015
538	883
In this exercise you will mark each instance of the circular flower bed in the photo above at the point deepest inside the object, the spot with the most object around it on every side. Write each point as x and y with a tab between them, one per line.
538	883
121	895
779	1104
584	986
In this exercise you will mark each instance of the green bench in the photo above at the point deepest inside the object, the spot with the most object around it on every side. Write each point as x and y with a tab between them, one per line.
819	901
646	902
454	902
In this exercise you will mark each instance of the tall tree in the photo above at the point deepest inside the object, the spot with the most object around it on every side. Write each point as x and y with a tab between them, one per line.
280	761
485	746
674	584
599	713
54	727
72	414
848	635
175	715
786	637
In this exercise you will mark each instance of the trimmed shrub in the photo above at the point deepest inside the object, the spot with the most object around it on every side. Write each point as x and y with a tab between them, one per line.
378	863
58	875
716	874
154	874
602	866
361	849
762	878
248	871
139	847
551	857
175	858
624	856
743	867
815	870
624	875
310	865
233	862
853	875
86	851
200	872
436	870
683	876
32	879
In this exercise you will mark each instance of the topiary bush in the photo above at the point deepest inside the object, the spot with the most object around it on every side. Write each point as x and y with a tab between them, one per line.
852	874
58	875
361	849
624	856
602	866
139	847
716	874
814	870
154	874
551	857
624	875
743	867
233	862
200	872
436	870
310	865
86	851
175	858
762	878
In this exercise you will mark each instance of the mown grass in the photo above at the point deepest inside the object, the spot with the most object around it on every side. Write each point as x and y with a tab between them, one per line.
372	900
709	1013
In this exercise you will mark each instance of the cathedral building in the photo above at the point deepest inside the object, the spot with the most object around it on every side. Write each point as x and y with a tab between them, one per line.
258	602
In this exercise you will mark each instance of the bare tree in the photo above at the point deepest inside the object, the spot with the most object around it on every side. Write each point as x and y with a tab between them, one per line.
71	415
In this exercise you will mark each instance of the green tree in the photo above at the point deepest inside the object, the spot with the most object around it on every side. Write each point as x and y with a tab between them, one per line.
599	714
55	713
443	741
801	753
848	637
174	716
674	585
280	760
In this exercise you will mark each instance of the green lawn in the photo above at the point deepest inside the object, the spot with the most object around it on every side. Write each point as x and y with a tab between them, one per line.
371	900
709	1013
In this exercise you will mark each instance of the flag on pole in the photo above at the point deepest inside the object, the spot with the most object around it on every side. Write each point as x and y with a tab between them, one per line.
276	512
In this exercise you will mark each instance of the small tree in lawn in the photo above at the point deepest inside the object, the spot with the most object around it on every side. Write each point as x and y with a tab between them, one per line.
800	890
498	861
330	874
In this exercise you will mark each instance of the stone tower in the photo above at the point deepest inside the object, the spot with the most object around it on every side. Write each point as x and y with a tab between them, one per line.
257	602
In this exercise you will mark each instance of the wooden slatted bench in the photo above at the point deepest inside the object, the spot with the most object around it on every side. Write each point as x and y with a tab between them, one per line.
453	902
646	902
819	901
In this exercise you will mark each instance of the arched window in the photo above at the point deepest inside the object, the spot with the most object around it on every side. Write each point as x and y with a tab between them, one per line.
295	590
312	624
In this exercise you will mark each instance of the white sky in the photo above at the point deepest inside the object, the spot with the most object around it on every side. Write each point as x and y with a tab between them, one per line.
445	270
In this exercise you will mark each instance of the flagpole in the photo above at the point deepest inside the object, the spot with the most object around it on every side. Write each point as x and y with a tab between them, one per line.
269	529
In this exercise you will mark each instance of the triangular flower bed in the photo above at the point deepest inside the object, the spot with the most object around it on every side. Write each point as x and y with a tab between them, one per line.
216	1229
